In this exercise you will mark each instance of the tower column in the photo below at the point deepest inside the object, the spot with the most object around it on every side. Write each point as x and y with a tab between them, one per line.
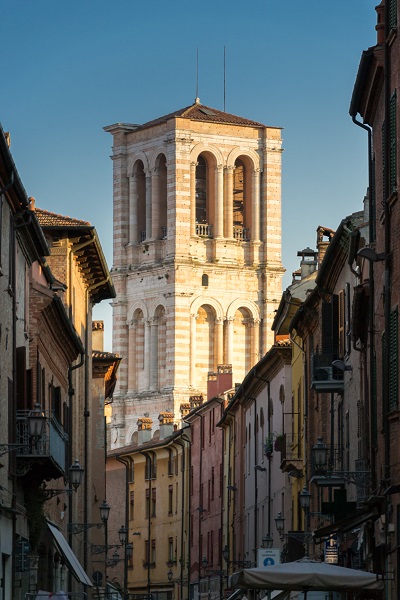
229	202
255	341
133	199
255	208
132	365
219	341
155	204
219	202
153	354
229	341
148	205
147	355
193	166
192	373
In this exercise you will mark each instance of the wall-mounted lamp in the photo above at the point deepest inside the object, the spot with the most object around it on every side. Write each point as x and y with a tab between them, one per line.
36	425
75	479
305	499
370	254
280	523
267	541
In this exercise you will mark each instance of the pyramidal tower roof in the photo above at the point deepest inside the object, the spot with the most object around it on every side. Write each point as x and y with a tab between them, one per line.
196	112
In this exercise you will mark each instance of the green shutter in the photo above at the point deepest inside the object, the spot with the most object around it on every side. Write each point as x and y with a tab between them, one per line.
374	423
393	360
384	190
392	14
392	159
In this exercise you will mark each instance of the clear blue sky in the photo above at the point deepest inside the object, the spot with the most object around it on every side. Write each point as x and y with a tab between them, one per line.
70	68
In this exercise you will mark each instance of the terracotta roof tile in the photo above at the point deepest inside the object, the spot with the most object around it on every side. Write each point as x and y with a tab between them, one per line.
199	112
50	219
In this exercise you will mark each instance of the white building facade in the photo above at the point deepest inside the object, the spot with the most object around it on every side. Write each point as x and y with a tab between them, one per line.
197	256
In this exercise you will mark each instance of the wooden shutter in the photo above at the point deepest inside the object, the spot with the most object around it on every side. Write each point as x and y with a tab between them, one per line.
393	144
393	360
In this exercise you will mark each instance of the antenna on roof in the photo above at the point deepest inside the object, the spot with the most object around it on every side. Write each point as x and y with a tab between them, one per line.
197	100
224	79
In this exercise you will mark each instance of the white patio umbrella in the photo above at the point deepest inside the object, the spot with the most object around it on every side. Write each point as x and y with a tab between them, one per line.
306	575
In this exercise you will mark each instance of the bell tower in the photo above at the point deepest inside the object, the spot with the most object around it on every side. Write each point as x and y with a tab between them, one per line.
197	256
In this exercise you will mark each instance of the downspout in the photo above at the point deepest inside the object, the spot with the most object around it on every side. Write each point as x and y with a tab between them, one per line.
371	307
71	393
14	397
126	463
86	415
148	524
269	433
182	561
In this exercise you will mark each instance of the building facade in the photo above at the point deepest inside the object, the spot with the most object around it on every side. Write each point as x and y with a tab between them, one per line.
197	255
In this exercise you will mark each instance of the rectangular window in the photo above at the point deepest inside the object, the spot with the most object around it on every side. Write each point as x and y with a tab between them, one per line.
171	549
11	256
208	495
191	480
131	471
170	463
153	502
212	483
392	14
147	503
170	498
393	143
132	505
342	323
153	552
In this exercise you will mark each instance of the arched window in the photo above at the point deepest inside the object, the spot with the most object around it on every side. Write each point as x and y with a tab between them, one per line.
140	178
204	280
241	200
201	191
159	204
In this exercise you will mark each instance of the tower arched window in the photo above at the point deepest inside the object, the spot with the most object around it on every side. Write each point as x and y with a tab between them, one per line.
241	201
201	191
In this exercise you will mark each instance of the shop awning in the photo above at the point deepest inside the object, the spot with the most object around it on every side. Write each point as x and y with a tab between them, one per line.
69	556
343	525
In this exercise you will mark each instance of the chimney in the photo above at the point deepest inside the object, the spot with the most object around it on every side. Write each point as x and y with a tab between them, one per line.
98	335
380	23
32	203
321	244
308	263
219	382
166	420
195	401
185	409
144	430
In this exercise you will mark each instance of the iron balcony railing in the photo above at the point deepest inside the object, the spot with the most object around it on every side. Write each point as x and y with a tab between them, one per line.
52	444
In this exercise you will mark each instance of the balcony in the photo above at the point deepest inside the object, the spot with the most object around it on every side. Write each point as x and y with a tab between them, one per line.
204	230
48	454
242	234
291	453
324	376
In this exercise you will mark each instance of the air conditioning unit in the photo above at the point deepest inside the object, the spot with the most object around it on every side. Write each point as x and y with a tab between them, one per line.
323	374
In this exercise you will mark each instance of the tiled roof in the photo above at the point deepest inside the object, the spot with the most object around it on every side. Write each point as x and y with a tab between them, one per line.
49	219
199	112
104	355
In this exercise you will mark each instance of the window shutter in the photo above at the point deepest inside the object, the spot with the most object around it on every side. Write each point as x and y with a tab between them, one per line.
384	191
392	14
341	323
393	104
393	360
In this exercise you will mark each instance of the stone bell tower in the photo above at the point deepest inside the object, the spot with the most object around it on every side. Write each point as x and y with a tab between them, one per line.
197	256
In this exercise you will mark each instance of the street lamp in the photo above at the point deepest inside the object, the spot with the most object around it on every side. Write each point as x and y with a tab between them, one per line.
320	454
280	523
122	532
267	541
104	511
75	478
305	499
37	421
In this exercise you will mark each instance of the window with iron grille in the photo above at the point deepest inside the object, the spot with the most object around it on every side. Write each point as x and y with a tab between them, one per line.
170	498
393	360
393	144
131	505
392	14
374	423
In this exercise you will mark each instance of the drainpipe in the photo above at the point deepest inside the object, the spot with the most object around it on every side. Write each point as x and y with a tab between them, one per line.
147	455
184	439
86	415
71	393
126	462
